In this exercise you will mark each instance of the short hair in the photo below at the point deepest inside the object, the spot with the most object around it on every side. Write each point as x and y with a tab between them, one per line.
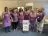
20	9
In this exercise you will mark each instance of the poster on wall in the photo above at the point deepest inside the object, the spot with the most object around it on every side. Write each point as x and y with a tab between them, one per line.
29	5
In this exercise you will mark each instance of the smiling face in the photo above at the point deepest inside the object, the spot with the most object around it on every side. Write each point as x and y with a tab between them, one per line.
21	13
28	11
15	10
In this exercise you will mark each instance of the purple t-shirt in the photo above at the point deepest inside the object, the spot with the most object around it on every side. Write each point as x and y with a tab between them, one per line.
40	17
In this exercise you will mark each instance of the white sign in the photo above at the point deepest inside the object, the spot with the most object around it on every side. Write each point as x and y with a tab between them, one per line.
26	25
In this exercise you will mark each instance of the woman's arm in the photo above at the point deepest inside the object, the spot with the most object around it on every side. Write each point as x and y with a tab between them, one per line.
11	18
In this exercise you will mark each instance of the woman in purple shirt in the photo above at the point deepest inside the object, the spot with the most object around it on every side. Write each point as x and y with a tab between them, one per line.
6	20
40	15
33	18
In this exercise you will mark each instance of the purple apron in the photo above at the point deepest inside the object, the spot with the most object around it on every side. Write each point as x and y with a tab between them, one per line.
7	21
26	17
21	18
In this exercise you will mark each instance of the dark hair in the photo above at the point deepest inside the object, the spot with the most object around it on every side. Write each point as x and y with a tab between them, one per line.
5	9
25	9
11	10
20	9
15	8
39	11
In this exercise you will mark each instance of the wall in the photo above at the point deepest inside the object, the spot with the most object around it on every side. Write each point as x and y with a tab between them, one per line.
46	9
15	3
9	4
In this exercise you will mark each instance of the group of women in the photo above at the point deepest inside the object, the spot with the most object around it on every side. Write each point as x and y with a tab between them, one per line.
13	18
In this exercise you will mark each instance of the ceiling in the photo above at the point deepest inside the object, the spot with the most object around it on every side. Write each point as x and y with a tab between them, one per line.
27	1
24	0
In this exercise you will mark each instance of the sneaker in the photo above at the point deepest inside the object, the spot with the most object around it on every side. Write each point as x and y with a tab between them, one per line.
14	29
9	31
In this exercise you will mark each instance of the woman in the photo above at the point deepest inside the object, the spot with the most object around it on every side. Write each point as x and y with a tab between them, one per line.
40	15
33	18
21	17
26	15
6	20
14	19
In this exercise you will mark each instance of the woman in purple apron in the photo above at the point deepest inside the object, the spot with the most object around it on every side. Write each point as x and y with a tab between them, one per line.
6	20
33	18
26	15
15	19
21	18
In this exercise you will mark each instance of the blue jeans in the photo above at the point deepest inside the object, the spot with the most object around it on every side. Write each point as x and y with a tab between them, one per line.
33	26
7	29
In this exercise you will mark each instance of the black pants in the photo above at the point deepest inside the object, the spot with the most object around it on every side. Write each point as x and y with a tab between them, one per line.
14	25
7	29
